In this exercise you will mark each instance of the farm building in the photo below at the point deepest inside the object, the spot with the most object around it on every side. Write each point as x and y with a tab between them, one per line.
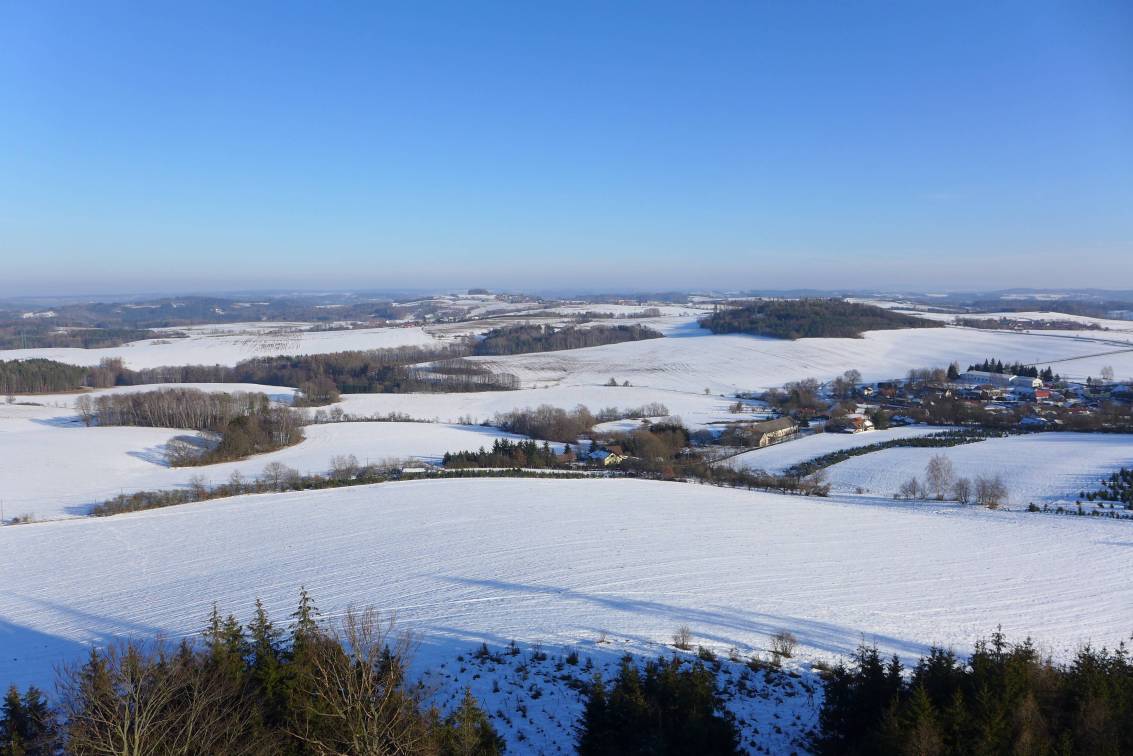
771	431
1000	380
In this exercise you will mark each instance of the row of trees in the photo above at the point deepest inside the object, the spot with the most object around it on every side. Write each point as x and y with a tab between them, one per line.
992	365
1004	699
23	334
39	376
309	687
941	482
171	408
809	318
507	453
1117	487
320	378
548	422
524	339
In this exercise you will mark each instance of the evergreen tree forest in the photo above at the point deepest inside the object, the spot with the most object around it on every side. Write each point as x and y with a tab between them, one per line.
524	339
670	707
991	365
296	688
506	453
1006	698
809	318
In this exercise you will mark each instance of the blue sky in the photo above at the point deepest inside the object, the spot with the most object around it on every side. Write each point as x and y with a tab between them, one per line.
619	145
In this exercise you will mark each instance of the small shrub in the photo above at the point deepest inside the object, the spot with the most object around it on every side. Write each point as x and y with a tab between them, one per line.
682	639
783	644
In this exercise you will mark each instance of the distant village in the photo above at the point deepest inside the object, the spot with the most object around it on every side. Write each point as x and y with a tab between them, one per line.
995	396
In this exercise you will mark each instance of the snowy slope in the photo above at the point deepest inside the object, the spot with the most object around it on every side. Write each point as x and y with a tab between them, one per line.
695	408
693	359
224	347
51	470
777	458
562	562
1044	468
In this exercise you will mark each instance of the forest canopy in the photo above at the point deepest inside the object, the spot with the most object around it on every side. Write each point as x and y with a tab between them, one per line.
809	318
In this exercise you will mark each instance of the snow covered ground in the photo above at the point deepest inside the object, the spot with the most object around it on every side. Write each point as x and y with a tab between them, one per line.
564	563
777	458
691	359
694	408
56	468
1044	468
224	347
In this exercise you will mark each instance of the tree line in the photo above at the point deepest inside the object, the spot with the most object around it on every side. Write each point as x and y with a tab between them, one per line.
244	423
524	339
1005	698
1016	368
506	453
306	687
320	378
809	318
39	376
557	424
23	334
1118	487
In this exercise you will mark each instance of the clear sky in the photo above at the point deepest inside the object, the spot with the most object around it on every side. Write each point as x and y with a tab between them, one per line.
622	145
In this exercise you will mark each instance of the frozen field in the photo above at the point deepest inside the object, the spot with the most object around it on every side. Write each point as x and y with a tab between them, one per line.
54	470
224	346
692	359
695	408
561	562
777	458
1044	468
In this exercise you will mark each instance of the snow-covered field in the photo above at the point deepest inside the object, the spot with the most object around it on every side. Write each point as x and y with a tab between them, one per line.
563	562
692	360
1044	468
227	346
567	563
694	408
54	468
777	458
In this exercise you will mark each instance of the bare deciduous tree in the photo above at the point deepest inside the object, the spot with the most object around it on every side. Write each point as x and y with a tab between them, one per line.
130	700
344	467
910	489
357	701
962	490
991	492
939	475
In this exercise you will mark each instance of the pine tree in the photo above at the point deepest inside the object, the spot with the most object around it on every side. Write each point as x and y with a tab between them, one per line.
468	731
922	731
13	724
267	670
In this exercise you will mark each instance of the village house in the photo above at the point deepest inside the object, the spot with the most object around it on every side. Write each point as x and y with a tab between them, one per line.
855	422
771	431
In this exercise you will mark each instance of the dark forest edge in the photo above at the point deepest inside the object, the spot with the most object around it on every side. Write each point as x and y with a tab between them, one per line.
314	688
1005	698
809	318
318	687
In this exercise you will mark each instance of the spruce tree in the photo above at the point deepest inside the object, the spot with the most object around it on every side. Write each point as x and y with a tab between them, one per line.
468	731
